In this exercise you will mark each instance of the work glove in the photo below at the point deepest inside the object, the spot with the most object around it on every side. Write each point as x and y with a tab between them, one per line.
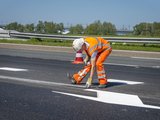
89	83
86	61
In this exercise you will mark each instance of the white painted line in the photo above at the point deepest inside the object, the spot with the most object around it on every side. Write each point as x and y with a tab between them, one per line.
117	64
136	66
137	51
38	81
156	67
121	99
122	65
63	84
125	81
12	69
146	58
102	96
113	98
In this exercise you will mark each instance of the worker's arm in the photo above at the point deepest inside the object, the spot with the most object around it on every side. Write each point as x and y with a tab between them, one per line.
87	59
93	63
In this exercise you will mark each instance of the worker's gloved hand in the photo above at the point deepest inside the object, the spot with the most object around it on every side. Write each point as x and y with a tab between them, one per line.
89	83
85	61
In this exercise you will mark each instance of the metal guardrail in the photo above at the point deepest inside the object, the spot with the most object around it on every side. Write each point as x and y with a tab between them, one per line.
66	37
4	35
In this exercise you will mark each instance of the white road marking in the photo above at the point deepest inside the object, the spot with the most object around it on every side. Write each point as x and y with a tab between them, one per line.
146	58
125	81
127	65
12	69
156	67
63	84
136	66
138	51
38	81
113	98
122	65
102	96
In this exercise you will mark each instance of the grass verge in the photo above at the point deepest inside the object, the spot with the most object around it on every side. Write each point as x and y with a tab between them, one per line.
67	43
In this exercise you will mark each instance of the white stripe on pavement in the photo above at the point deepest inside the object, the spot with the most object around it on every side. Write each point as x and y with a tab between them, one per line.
112	98
124	81
102	96
146	58
12	69
136	66
63	84
38	81
122	65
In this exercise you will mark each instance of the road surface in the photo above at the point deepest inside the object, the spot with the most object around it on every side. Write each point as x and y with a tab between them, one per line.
33	86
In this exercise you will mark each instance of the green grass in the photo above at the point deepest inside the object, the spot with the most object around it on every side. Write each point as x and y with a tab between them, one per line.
117	46
137	47
48	42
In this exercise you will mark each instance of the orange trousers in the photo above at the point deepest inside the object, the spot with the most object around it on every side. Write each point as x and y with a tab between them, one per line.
101	57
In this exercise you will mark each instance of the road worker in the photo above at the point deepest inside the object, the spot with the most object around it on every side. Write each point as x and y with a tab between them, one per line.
97	50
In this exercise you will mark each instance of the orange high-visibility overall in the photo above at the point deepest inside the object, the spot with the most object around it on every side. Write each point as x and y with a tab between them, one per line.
103	49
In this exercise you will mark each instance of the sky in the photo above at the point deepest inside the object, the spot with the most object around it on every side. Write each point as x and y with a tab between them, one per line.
121	13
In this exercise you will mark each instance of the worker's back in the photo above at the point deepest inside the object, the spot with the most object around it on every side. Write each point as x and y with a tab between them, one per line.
96	44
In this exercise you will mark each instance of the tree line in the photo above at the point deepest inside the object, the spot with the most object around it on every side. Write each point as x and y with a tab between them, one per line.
95	28
147	29
41	27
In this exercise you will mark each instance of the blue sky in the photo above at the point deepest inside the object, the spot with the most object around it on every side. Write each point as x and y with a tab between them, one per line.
125	13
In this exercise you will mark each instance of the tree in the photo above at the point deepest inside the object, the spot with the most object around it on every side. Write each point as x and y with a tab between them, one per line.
15	26
94	28
108	28
156	29
49	27
98	28
59	27
147	29
29	28
40	27
12	26
78	29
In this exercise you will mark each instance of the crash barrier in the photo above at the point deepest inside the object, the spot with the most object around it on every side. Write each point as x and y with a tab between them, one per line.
67	37
4	35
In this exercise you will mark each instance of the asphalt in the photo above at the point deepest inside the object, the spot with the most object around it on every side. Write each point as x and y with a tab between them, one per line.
29	94
123	53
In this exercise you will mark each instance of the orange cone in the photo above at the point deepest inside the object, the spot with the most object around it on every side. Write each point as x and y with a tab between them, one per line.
79	58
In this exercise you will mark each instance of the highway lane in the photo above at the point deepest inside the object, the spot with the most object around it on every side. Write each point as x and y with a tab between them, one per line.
33	103
30	94
68	56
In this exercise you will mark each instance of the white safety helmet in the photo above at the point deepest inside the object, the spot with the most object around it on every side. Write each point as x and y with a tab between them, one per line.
77	44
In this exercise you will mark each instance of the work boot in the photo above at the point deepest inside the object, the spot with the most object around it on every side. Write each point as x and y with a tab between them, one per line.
102	86
73	81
